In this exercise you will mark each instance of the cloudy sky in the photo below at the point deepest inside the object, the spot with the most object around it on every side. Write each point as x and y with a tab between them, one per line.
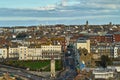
35	12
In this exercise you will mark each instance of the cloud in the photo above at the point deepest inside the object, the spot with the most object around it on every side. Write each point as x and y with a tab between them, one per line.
48	7
67	10
107	4
104	6
56	18
69	2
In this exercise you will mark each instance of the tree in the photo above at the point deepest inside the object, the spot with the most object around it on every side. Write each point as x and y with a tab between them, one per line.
21	35
83	51
105	60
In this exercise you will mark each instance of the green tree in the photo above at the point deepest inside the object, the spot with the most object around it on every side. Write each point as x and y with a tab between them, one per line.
21	35
83	51
105	60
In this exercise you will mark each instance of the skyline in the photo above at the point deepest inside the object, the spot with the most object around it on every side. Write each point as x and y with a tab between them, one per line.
36	12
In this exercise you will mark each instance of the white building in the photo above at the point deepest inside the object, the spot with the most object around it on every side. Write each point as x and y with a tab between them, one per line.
23	52
26	53
116	51
51	47
20	29
115	67
83	43
34	54
115	55
13	52
3	53
101	73
49	51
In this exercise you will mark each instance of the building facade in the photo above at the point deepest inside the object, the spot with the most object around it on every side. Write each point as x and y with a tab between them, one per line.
3	53
109	50
13	52
45	52
49	51
34	54
116	51
83	43
101	73
23	52
116	37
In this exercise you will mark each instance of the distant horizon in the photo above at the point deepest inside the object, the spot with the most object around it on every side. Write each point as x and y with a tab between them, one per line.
35	12
56	24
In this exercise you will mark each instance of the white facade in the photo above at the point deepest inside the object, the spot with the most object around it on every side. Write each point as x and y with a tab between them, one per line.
20	29
116	67
3	53
51	48
115	55
103	73
23	53
83	44
49	51
13	52
34	54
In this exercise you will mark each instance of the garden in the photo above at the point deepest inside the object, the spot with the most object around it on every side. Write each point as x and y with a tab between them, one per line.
37	65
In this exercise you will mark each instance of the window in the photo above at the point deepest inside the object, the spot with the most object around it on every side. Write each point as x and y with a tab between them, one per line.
3	51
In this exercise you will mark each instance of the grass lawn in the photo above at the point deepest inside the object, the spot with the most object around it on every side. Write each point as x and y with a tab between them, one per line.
34	64
43	65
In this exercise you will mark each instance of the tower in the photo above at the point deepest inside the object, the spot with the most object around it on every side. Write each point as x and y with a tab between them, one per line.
110	24
52	67
86	25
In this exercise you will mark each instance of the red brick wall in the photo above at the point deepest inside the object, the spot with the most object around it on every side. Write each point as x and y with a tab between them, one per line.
116	37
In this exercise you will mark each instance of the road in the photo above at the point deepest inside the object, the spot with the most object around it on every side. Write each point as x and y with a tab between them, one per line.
69	65
20	72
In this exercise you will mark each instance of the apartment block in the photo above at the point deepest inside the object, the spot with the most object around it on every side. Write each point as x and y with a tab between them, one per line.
3	53
34	54
49	51
105	74
13	52
116	37
23	52
116	51
112	50
45	52
83	43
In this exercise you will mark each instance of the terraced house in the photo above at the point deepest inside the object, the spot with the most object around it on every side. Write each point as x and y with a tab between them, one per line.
44	52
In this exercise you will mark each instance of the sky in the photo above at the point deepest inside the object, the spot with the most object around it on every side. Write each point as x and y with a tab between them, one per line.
69	12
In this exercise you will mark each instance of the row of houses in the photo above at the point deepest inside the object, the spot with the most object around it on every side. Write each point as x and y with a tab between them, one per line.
45	52
112	50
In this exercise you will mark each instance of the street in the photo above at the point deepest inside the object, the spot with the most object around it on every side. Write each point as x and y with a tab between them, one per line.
19	72
69	65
